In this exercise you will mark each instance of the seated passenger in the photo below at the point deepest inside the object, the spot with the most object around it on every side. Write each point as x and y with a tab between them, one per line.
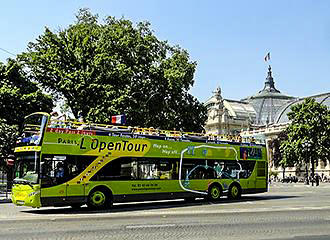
35	138
59	172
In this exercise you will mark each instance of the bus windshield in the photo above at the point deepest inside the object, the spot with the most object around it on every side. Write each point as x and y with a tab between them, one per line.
27	168
32	130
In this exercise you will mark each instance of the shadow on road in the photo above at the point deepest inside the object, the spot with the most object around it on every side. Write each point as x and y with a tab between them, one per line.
142	206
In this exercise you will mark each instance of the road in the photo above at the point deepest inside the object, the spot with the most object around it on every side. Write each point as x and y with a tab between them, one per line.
288	211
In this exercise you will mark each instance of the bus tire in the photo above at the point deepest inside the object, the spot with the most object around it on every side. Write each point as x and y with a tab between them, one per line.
234	191
214	192
99	198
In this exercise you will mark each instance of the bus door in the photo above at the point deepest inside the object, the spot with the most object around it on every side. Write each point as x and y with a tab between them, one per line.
261	174
75	187
52	177
250	174
251	183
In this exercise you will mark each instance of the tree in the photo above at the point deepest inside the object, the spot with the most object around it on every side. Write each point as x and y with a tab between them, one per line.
8	136
18	95
308	134
18	98
280	159
115	67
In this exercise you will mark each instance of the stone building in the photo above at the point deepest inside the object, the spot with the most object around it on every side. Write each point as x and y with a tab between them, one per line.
261	116
281	122
227	116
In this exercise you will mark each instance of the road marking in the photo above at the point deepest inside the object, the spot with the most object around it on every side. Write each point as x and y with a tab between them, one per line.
150	226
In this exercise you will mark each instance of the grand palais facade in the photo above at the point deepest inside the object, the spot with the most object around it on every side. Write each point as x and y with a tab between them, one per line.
261	116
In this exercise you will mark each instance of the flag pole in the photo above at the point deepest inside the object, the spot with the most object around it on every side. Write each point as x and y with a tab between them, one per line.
267	59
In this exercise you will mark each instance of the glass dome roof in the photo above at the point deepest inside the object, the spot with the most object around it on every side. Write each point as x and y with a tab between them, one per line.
282	116
268	102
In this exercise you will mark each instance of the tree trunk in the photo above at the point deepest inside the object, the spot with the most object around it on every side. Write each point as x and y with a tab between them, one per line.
10	177
306	176
312	162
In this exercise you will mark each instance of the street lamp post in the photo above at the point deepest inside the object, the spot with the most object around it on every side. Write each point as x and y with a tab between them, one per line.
219	107
306	147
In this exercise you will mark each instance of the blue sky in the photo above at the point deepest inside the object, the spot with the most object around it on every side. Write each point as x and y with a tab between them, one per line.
227	39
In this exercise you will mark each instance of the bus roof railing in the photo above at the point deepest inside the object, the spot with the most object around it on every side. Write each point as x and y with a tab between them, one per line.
128	131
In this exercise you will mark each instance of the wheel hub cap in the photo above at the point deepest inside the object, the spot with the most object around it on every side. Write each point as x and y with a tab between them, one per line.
98	198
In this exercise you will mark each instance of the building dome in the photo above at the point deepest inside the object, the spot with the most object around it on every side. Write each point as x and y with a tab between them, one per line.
268	101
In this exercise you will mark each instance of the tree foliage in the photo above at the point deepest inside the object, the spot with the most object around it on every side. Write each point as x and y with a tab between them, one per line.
308	133
8	136
18	98
18	95
275	145
116	67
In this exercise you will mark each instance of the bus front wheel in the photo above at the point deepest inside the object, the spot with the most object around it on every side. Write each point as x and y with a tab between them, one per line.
99	199
214	192
234	191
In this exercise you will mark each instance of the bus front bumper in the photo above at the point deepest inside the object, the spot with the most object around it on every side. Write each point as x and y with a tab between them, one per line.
24	195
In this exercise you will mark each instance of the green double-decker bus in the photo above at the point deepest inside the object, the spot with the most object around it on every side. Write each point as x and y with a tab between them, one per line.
71	164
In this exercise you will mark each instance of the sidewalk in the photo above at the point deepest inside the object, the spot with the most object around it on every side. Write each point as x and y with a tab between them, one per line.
300	184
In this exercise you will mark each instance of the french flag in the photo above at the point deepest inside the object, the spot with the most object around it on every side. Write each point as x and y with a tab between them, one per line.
118	119
267	57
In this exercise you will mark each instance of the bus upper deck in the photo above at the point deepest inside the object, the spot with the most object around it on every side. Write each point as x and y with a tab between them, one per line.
33	132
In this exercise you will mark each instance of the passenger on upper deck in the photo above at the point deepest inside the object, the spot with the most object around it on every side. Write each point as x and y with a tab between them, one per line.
81	123
35	138
58	121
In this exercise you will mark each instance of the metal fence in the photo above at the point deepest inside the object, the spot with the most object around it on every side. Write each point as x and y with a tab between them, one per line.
5	187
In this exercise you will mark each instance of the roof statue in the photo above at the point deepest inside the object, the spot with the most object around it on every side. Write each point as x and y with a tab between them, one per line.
217	93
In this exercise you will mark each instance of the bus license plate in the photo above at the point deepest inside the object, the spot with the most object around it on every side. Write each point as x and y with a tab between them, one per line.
19	202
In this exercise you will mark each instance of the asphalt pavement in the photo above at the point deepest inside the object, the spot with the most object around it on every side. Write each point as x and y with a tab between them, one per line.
287	211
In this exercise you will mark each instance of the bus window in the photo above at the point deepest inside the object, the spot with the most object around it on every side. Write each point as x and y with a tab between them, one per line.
118	169
137	169
129	170
230	169
198	169
247	168
59	169
225	169
148	170
52	170
166	169
32	130
27	167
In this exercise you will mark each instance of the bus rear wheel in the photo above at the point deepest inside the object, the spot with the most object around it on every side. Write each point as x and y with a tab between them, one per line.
99	199
214	192
234	191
